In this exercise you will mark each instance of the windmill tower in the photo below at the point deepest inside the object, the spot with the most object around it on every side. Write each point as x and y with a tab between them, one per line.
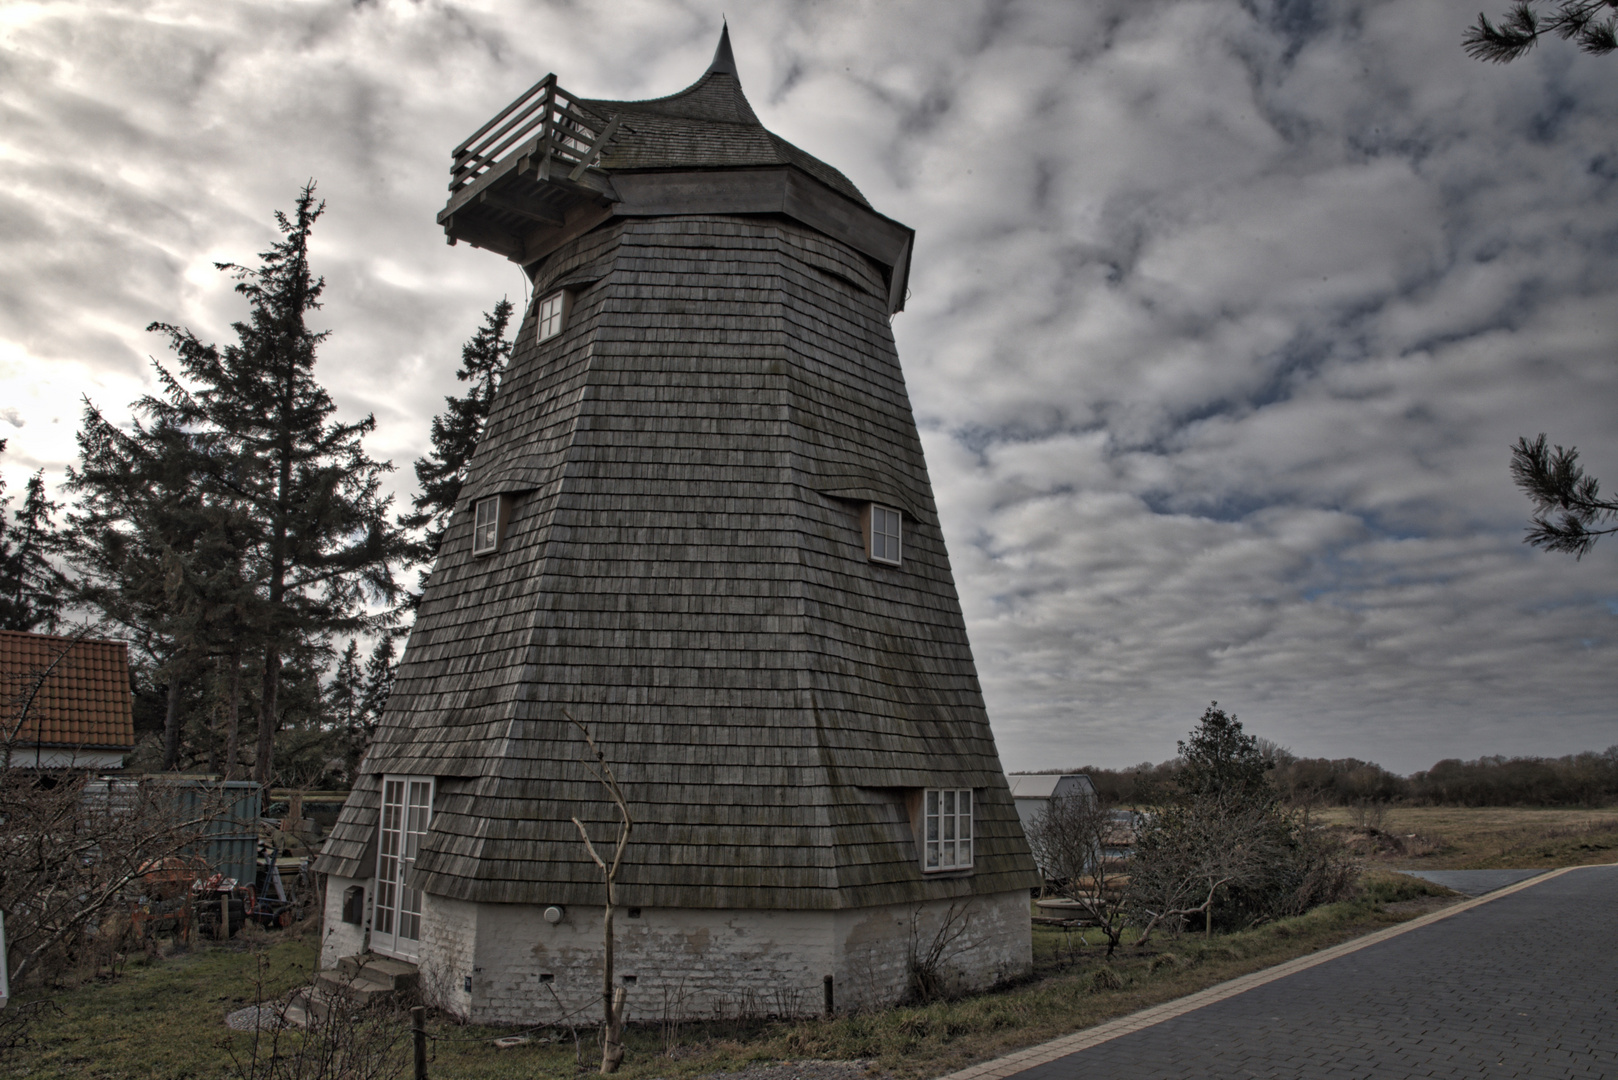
699	522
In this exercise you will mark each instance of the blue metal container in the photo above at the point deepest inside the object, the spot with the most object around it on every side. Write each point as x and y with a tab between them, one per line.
229	811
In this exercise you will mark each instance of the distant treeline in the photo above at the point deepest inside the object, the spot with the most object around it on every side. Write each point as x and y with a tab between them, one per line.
1587	779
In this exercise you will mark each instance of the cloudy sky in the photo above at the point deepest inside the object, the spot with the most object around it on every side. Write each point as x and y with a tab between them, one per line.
1224	315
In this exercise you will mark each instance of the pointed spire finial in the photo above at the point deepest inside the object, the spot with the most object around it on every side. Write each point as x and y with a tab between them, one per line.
724	61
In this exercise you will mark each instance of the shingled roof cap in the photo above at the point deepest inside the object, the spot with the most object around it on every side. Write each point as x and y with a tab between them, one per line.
724	61
552	165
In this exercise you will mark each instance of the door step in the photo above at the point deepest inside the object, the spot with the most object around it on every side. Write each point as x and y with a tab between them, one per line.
357	982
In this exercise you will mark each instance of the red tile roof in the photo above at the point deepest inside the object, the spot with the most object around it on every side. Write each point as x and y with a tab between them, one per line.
84	701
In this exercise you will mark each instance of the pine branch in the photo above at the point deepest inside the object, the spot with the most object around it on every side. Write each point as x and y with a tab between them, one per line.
1520	29
1567	503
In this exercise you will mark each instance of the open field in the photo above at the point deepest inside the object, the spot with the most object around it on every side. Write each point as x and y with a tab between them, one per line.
1481	838
166	1019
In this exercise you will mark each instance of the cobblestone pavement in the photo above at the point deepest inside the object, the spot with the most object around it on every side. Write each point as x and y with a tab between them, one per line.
1522	986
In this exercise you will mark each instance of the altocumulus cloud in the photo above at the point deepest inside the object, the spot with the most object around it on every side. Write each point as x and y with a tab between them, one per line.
1223	317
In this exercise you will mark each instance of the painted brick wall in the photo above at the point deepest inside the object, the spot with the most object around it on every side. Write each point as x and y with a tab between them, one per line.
691	963
449	937
979	941
340	939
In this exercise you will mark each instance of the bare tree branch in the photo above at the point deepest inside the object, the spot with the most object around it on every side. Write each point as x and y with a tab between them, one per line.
612	1049
1071	840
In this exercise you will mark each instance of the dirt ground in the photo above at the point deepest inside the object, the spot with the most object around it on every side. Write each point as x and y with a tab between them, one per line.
1476	838
803	1070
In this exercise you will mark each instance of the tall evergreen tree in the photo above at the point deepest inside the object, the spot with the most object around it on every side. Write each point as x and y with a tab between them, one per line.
456	431
345	692
345	701
378	682
1220	759
155	554
32	590
324	545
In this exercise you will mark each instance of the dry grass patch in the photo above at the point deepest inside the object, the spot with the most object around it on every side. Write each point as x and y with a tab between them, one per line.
1481	838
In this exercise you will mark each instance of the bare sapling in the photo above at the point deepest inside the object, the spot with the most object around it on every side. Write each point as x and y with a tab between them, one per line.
1073	841
612	998
342	1037
1190	854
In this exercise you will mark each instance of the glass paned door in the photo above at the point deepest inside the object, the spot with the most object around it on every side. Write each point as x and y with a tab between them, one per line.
407	809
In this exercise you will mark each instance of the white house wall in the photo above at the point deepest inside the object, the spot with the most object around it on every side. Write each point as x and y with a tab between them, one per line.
693	962
338	938
35	757
989	940
451	933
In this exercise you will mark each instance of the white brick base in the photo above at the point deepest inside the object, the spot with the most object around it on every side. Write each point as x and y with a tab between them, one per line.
689	963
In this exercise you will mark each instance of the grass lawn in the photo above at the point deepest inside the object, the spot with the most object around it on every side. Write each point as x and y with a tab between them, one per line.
1487	838
166	1019
160	1019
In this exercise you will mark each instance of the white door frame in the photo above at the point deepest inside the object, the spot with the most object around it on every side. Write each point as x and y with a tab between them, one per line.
407	810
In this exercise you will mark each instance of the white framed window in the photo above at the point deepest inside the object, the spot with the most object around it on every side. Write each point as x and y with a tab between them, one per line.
947	829
553	312
883	526
489	519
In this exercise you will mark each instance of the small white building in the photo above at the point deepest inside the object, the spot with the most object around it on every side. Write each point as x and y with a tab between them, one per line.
1033	791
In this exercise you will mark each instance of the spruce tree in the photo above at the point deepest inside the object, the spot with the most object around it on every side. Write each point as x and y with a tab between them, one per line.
323	544
378	682
456	431
155	554
346	689
345	702
32	590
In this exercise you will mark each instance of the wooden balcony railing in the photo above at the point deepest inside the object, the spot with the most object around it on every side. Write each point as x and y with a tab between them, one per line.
545	120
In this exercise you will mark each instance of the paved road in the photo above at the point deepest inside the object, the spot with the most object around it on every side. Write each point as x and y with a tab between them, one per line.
1473	882
1523	986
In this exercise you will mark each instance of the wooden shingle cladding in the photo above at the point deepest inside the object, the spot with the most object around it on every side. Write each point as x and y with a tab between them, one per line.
710	125
684	571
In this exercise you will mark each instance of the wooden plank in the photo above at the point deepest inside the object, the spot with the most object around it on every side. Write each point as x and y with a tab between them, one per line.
548	80
594	153
521	209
